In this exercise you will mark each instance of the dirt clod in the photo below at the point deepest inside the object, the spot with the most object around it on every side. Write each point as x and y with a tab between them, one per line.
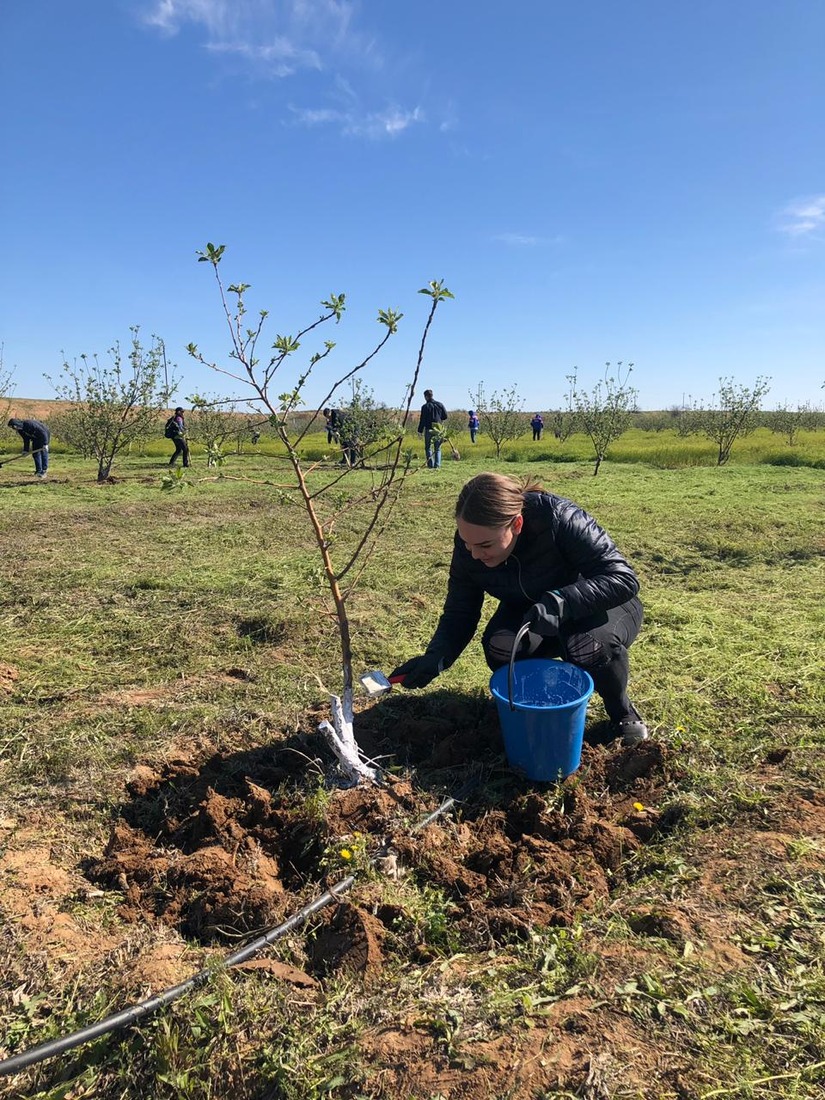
665	922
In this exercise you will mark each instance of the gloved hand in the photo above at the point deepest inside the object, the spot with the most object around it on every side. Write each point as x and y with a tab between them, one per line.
545	616
419	671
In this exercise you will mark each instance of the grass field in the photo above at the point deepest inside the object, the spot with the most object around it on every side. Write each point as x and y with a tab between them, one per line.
651	930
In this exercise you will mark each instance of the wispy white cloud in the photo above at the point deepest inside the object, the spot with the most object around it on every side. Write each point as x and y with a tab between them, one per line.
802	217
351	122
523	240
284	38
283	35
281	57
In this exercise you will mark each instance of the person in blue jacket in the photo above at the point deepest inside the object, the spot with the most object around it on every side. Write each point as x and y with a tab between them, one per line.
35	438
537	424
472	424
551	566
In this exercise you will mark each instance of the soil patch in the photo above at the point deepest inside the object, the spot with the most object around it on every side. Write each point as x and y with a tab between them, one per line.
223	847
34	894
220	845
8	678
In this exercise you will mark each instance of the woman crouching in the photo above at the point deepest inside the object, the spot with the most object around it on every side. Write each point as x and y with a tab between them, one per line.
551	566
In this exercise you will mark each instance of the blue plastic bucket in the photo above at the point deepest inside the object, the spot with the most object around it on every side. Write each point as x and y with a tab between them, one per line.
543	734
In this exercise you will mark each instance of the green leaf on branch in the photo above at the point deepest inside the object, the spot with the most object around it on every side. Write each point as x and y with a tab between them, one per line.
436	290
211	254
390	318
336	304
290	399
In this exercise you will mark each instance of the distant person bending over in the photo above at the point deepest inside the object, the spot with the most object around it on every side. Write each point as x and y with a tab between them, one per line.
332	419
472	425
433	415
336	422
35	438
176	431
549	564
537	424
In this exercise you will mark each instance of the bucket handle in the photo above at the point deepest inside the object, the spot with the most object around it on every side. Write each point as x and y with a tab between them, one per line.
516	643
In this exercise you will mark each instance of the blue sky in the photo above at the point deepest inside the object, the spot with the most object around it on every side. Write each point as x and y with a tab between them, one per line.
600	180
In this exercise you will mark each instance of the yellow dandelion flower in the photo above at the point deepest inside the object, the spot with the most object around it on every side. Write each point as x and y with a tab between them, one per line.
638	806
346	853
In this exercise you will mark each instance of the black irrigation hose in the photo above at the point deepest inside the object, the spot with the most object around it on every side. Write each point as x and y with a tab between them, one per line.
145	1008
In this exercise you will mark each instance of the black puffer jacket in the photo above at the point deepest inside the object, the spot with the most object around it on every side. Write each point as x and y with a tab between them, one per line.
560	549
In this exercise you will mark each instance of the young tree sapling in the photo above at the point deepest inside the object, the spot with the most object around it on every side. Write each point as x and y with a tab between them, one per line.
604	413
325	494
113	405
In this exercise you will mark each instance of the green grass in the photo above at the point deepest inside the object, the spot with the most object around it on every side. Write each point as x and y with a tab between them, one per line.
127	613
664	449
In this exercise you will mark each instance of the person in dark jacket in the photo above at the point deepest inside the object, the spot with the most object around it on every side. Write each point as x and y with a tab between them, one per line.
179	438
472	424
433	415
537	424
336	425
36	438
332	423
550	565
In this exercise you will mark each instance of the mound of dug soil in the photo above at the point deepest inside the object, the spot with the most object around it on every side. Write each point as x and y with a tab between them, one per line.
225	846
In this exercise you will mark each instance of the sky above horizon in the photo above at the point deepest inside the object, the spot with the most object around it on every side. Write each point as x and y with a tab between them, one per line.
595	182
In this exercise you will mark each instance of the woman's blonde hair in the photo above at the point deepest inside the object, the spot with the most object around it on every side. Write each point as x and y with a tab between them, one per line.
493	500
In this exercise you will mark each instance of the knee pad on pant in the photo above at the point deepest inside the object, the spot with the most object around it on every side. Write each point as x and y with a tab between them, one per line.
586	652
499	647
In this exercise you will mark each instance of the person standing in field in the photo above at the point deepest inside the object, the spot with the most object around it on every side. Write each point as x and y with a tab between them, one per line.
472	425
537	424
433	415
176	431
35	436
553	569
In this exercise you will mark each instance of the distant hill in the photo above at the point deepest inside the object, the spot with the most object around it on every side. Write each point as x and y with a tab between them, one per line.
26	408
31	407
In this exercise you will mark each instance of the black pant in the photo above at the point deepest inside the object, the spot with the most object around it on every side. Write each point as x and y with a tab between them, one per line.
536	433
350	453
181	448
597	644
